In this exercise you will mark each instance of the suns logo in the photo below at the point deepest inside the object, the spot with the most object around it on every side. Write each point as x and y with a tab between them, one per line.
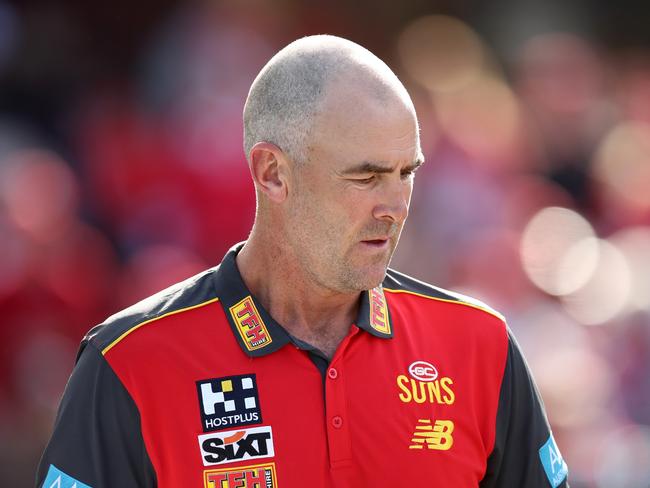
425	385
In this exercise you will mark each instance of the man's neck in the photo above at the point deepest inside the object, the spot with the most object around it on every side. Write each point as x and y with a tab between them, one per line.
309	312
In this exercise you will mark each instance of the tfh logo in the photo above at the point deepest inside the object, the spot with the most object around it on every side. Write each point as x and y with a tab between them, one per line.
378	311
250	325
257	476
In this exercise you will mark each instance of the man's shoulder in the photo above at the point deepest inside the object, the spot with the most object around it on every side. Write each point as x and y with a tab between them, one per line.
188	294
399	283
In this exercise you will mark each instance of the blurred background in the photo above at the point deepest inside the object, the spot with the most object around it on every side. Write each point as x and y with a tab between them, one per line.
122	171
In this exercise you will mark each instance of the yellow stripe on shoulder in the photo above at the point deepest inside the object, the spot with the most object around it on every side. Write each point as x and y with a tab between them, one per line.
463	300
136	327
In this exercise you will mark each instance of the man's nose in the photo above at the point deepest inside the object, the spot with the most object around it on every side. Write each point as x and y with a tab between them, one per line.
394	203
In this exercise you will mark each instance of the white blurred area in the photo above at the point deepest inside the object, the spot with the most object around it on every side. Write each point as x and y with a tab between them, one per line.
535	196
537	200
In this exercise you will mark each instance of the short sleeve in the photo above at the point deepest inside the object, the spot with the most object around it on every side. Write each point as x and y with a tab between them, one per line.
97	439
525	453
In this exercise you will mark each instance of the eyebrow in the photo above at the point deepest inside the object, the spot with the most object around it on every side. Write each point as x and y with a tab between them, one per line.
378	167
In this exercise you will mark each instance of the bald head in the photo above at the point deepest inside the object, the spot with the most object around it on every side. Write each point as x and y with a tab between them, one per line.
289	92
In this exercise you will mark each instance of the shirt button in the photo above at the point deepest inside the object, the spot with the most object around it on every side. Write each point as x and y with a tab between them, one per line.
337	422
333	373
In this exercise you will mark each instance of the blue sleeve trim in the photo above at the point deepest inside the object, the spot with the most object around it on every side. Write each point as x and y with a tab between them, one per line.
58	479
554	466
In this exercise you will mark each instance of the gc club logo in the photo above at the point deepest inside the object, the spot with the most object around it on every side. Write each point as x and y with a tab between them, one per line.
423	371
425	385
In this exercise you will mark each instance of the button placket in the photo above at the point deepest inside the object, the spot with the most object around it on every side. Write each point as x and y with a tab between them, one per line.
339	444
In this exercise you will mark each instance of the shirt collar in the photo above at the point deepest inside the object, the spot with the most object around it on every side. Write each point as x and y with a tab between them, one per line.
259	334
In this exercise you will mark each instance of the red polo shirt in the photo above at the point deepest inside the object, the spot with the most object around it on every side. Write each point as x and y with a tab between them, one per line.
198	386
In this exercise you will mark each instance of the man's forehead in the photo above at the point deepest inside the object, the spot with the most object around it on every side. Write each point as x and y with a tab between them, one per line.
355	110
368	127
363	118
362	88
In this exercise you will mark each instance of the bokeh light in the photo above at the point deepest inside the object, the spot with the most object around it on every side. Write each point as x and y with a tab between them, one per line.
442	53
634	243
606	292
623	162
40	192
623	458
15	261
482	117
580	398
561	72
558	250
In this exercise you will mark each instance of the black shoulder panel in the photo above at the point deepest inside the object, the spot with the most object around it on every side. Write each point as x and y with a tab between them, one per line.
524	453
97	437
192	292
399	282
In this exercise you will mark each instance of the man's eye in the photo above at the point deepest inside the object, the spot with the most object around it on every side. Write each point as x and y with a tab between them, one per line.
365	181
407	174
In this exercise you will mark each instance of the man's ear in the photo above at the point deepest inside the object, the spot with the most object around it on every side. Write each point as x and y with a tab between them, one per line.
270	170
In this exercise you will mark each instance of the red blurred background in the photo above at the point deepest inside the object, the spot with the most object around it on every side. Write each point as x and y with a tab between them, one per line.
122	171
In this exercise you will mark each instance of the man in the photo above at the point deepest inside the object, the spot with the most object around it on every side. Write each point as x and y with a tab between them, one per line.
300	360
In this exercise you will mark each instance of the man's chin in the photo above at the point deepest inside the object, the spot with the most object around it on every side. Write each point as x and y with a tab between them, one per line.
371	277
364	274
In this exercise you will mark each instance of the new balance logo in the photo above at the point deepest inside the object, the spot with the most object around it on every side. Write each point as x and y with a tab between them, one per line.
437	436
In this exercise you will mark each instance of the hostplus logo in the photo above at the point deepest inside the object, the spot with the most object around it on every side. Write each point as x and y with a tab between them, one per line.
230	401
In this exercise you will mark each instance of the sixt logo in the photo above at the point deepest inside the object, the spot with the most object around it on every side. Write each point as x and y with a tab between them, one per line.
258	476
378	311
437	436
250	325
236	445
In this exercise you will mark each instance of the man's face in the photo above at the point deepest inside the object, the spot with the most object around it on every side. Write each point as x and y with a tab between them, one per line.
350	200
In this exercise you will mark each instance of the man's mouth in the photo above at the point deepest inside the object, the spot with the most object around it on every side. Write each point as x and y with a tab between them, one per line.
376	243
